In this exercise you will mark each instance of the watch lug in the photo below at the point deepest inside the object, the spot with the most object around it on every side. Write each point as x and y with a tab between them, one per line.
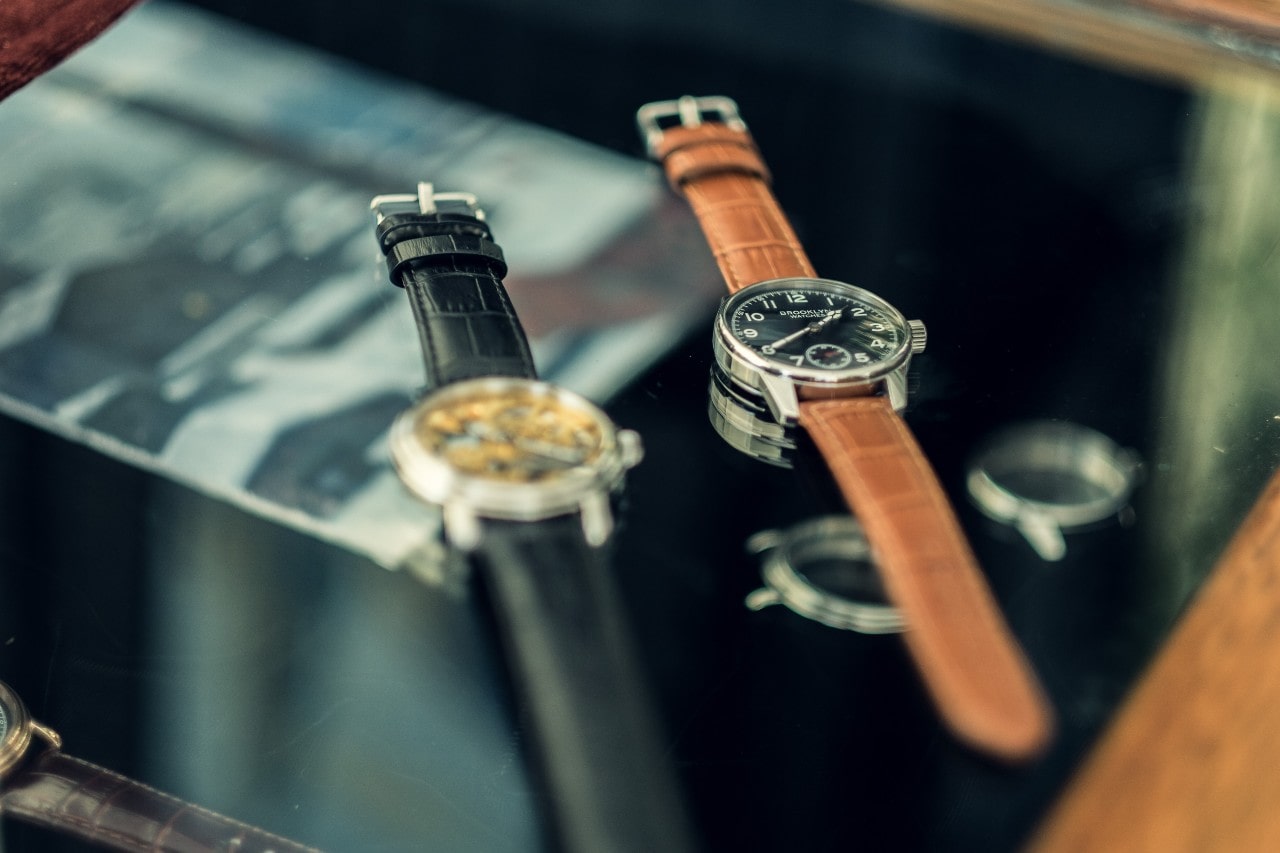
762	598
630	447
762	541
49	735
1042	534
597	518
896	388
780	395
461	525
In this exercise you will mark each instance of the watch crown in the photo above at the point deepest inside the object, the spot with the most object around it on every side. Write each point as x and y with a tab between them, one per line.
461	526
919	336
631	447
597	518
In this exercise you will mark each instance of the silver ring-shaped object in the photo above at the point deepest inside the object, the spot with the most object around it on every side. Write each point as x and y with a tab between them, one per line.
823	570
1049	477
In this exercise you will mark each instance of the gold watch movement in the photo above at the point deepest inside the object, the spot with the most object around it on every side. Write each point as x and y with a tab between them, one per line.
509	448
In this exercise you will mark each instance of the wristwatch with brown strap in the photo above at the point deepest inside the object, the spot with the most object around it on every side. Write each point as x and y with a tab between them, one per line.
71	796
833	358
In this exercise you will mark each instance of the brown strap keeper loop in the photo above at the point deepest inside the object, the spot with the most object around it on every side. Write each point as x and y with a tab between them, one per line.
689	153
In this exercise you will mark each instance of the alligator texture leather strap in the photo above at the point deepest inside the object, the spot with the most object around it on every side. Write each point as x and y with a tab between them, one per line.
570	651
966	654
719	171
75	797
969	660
452	271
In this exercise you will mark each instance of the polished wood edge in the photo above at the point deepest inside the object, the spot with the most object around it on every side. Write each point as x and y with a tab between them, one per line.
1187	764
1129	37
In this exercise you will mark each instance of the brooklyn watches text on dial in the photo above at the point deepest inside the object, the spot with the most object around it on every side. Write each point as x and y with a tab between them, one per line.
832	358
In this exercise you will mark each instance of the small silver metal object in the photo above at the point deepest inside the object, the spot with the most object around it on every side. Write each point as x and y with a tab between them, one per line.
1045	478
823	569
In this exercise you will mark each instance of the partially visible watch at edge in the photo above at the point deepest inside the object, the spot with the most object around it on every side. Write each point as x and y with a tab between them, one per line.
80	799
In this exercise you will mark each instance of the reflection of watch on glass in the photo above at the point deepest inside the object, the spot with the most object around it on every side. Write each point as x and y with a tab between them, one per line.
832	358
68	795
524	472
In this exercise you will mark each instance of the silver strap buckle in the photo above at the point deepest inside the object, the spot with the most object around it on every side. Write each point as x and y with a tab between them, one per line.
654	118
426	200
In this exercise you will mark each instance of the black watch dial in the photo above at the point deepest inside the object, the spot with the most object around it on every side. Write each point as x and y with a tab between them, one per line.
815	325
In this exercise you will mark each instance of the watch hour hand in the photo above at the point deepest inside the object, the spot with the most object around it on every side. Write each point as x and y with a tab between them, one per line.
815	326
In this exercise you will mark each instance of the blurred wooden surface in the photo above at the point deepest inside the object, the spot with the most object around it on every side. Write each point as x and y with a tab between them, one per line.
1187	41
1189	762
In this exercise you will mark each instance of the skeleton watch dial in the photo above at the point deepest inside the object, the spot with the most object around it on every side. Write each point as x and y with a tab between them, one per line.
514	437
508	448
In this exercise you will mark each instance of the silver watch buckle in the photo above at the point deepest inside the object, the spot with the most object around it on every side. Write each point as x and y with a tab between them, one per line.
425	200
688	111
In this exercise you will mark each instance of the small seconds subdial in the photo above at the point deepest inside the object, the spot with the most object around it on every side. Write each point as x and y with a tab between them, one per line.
817	325
830	356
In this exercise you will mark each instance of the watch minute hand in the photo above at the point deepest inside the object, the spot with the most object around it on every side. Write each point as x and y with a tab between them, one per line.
816	325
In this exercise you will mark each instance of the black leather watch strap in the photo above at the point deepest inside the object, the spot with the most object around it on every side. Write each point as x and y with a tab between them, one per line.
75	797
452	271
598	742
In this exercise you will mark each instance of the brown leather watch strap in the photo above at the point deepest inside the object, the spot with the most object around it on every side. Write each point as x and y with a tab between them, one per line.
75	797
720	172
969	660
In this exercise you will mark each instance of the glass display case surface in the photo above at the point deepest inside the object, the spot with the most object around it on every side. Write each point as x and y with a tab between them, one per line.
214	583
